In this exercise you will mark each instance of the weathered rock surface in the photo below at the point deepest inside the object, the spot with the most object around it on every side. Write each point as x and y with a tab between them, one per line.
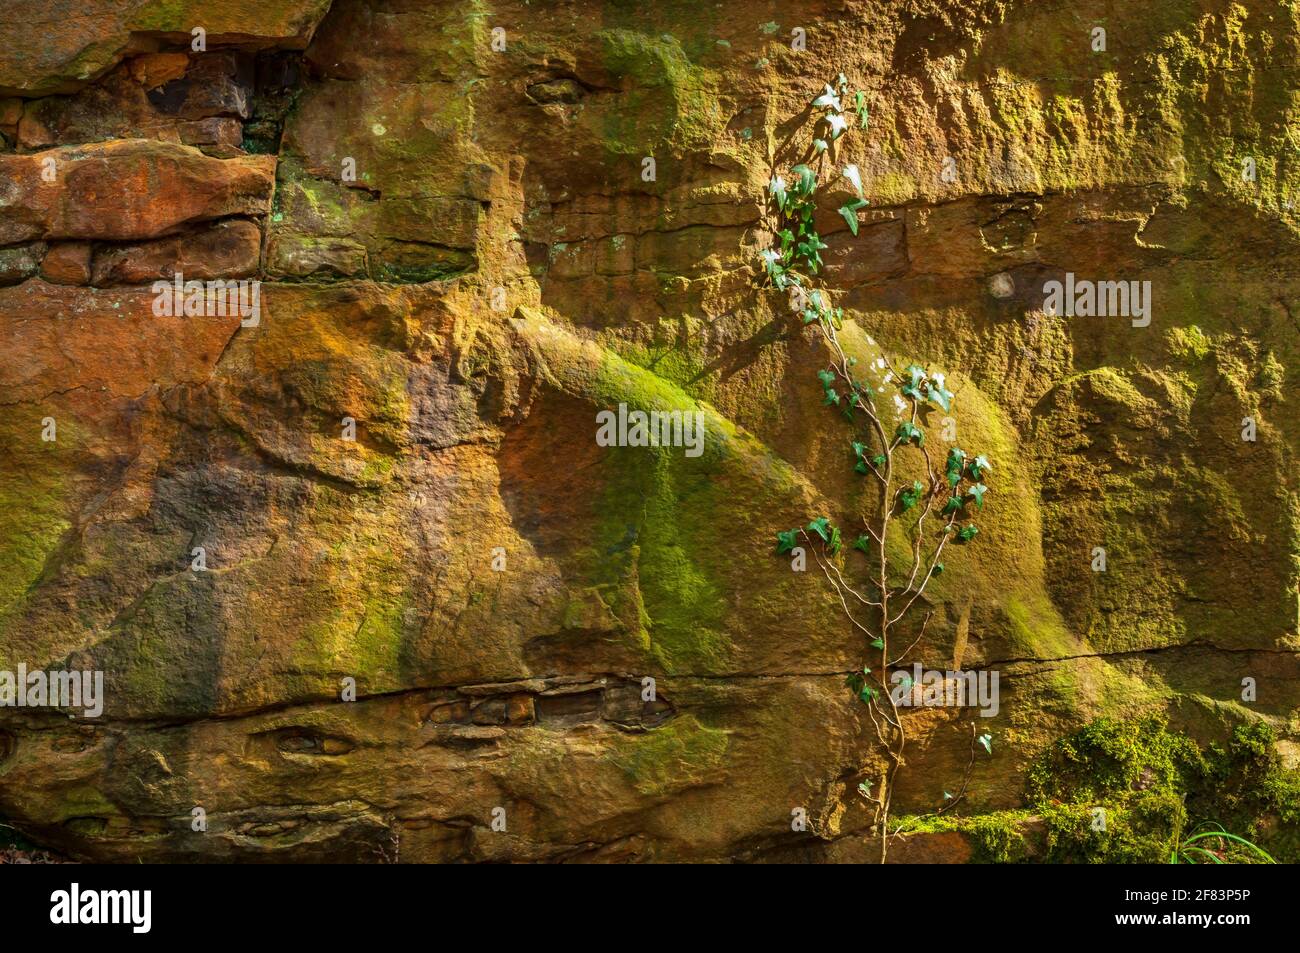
57	46
126	190
462	257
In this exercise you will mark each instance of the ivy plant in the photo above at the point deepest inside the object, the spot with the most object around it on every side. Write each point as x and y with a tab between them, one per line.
926	495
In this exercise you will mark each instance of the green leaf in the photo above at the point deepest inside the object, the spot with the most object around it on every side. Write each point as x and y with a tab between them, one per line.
877	644
827	100
777	188
807	180
940	396
912	388
987	741
827	378
968	532
786	541
831	397
821	527
854	176
862	542
878	460
909	496
849	212
956	462
819	146
850	216
908	431
978	491
952	506
938	569
867	693
833	544
978	466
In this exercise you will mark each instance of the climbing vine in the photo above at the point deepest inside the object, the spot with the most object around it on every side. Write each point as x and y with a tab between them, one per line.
877	586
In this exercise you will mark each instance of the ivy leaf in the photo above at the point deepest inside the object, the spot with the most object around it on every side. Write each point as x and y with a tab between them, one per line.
908	431
777	188
849	211
832	397
853	175
978	491
956	462
968	532
862	542
826	377
940	395
864	789
909	496
786	541
952	506
978	466
827	100
867	693
912	388
807	179
833	544
938	569
819	146
878	460
821	527
838	124
947	795
987	741
877	644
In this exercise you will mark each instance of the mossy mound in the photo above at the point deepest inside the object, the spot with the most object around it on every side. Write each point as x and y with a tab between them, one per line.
1134	791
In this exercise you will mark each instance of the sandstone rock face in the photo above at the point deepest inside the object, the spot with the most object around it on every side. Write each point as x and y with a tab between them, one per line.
463	262
57	46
